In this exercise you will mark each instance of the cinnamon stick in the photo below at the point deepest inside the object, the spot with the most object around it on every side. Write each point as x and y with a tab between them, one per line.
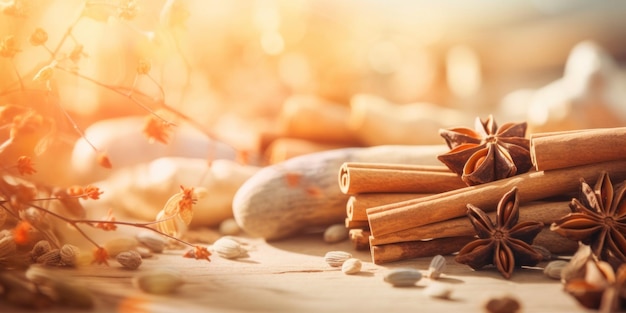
545	212
532	186
360	239
417	249
350	224
427	248
358	204
361	177
557	150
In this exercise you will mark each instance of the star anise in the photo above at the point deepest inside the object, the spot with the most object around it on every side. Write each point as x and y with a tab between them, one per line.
598	219
601	288
505	244
487	153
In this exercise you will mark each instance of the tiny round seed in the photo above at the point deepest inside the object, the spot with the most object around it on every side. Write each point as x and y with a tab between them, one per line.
351	266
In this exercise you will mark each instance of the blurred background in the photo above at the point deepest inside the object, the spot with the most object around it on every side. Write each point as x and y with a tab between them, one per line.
240	60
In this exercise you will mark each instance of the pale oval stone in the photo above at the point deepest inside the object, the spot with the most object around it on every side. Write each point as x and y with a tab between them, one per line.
158	281
151	240
403	277
436	290
336	233
336	258
351	266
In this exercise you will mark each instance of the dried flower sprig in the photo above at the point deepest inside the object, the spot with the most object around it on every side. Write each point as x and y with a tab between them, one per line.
179	209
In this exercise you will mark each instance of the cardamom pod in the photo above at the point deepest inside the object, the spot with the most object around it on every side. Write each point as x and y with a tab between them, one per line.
336	258
129	259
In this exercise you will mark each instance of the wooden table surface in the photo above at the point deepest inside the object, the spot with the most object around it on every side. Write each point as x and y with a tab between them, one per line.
291	276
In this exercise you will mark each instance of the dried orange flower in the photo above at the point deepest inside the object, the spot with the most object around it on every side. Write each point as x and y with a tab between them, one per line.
92	192
77	53
143	67
100	256
156	130
21	232
38	37
103	160
8	47
75	191
89	192
127	10
185	204
25	166
198	253
107	226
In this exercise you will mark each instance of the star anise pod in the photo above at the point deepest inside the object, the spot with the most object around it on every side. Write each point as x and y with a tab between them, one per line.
601	288
487	153
505	244
598	219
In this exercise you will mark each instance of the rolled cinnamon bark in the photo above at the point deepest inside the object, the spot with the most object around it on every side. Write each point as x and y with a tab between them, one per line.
360	239
532	186
358	204
360	177
393	252
557	150
544	212
417	249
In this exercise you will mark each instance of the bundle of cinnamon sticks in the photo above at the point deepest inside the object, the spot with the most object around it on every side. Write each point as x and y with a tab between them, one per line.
401	212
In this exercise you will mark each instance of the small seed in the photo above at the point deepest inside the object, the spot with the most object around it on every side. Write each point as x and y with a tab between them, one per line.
437	290
52	257
41	247
69	254
151	240
229	248
158	281
129	259
351	266
403	277
504	304
336	233
336	258
436	267
554	268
